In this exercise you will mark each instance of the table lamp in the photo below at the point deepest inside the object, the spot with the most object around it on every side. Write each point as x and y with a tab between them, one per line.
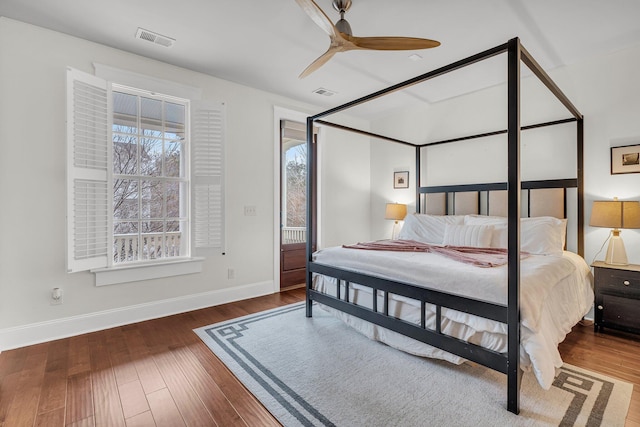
396	212
615	214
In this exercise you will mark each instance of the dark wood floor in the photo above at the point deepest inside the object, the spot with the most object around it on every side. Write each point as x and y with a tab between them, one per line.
159	373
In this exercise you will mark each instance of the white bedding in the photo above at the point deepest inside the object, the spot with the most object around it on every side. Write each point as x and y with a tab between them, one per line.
555	293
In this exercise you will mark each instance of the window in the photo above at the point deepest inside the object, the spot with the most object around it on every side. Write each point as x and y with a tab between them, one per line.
150	176
133	197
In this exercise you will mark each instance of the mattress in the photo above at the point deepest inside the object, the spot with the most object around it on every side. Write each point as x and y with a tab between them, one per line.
555	293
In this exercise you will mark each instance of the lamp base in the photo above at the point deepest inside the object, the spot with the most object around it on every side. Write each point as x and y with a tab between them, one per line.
616	253
395	231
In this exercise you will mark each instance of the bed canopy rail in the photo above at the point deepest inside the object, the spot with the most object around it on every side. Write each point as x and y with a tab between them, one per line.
513	186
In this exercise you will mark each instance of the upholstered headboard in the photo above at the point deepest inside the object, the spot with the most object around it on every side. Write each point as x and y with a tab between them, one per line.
539	198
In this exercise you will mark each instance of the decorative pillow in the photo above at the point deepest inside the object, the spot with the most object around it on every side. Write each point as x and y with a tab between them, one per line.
476	236
427	228
542	235
499	223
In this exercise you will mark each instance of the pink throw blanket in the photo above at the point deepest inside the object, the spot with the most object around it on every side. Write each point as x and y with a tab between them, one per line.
481	257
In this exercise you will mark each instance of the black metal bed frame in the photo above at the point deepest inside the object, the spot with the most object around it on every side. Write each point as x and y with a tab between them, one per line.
509	314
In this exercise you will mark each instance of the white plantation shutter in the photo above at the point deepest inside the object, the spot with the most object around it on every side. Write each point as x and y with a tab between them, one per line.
88	154
207	136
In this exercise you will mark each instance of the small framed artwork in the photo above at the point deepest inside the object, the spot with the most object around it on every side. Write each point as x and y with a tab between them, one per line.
401	179
625	159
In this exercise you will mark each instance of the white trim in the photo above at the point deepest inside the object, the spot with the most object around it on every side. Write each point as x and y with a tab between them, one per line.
136	272
35	333
141	81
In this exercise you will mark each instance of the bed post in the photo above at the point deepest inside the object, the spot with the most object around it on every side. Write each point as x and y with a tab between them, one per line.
418	161
513	195
311	226
580	172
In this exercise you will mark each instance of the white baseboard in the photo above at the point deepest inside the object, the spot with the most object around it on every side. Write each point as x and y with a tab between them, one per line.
35	333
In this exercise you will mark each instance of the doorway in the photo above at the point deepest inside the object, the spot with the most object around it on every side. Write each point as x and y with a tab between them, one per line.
293	203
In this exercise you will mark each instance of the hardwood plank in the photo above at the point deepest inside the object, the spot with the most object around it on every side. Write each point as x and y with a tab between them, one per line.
8	386
144	419
54	385
146	368
86	422
134	401
207	389
107	408
53	418
23	409
123	367
79	355
79	398
184	396
164	409
12	361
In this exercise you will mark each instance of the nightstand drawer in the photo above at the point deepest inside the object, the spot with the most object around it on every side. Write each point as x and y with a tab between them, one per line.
618	281
621	312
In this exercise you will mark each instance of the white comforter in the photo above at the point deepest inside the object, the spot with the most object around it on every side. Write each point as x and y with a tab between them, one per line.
555	293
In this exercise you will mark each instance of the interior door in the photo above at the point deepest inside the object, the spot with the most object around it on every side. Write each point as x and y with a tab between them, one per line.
293	203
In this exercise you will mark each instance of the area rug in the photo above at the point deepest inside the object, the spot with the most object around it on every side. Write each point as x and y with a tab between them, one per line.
319	372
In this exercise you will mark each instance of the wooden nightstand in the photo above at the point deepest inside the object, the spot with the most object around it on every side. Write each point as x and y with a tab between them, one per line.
617	297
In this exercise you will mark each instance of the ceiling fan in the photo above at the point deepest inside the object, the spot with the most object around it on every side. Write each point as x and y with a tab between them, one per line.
342	39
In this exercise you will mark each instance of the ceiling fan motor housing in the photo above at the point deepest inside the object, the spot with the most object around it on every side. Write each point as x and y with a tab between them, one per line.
342	25
341	5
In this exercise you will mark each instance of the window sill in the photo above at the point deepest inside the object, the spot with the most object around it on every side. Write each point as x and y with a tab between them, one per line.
137	272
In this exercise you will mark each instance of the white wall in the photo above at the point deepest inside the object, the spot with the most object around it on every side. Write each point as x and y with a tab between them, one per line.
605	89
345	186
33	64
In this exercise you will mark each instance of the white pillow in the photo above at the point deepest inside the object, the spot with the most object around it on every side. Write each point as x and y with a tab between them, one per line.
499	223
544	235
476	236
427	228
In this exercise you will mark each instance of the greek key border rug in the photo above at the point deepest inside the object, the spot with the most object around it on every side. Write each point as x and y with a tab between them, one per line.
319	372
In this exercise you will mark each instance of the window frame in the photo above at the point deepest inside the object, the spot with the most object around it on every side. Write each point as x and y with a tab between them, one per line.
207	207
185	202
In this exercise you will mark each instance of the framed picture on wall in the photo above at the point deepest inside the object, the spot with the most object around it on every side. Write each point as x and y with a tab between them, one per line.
401	179
625	159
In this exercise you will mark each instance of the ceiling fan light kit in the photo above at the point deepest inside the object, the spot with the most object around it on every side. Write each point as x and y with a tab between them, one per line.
342	38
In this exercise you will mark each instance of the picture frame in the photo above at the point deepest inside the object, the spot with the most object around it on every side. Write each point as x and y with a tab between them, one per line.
625	159
401	179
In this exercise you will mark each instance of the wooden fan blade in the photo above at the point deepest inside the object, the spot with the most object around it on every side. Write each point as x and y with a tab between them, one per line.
391	43
318	62
318	16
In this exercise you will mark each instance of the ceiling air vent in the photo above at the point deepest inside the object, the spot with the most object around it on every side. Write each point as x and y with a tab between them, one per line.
156	38
323	91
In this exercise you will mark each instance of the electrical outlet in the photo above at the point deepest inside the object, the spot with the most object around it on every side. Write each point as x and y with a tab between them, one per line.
250	211
56	296
231	274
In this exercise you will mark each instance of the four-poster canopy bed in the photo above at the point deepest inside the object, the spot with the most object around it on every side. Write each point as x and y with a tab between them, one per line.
379	295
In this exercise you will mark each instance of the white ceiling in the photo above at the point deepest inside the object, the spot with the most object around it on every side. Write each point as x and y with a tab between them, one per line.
266	44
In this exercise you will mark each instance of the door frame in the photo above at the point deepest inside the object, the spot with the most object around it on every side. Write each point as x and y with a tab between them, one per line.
280	113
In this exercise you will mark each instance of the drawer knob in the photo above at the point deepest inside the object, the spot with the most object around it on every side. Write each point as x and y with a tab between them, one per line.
600	307
626	283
